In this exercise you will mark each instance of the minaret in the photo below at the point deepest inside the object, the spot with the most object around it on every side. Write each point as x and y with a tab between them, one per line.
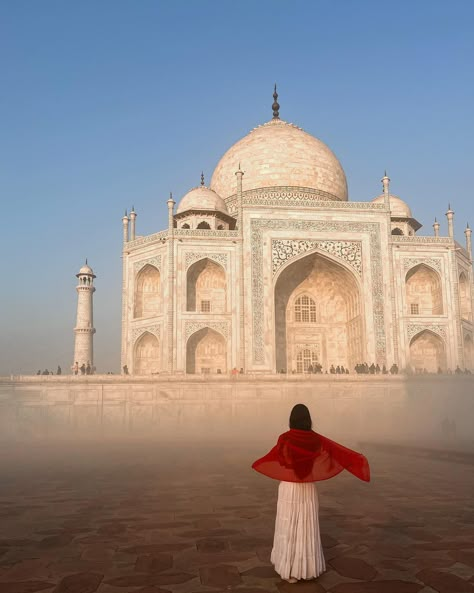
240	227
450	217
468	233
133	216
386	190
125	221
171	284
84	330
436	228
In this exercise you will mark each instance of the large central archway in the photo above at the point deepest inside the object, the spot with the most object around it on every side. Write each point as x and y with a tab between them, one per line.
318	315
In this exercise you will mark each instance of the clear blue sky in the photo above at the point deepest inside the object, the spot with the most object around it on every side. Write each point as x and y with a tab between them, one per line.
113	103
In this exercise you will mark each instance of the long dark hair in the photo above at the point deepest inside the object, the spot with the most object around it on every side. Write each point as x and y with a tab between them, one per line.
300	418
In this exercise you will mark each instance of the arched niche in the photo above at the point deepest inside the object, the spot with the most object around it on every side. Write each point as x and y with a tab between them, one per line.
464	297
206	287
147	292
424	295
397	231
206	353
146	355
427	351
318	307
203	225
468	352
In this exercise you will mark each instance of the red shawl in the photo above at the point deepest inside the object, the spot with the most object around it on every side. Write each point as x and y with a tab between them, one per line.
306	456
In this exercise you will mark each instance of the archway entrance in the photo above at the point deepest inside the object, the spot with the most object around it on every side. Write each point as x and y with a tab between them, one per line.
318	316
427	352
147	292
147	355
206	353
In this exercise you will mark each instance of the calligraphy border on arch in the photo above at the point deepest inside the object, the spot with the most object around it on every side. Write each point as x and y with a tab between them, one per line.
257	226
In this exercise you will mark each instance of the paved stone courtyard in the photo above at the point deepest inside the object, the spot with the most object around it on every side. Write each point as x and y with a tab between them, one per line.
147	518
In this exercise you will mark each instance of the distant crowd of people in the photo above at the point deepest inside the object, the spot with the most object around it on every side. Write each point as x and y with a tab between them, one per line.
84	369
46	372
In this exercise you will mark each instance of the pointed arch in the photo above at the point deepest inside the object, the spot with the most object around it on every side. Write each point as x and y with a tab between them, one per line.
397	231
206	352
427	351
146	355
206	287
203	225
147	292
424	295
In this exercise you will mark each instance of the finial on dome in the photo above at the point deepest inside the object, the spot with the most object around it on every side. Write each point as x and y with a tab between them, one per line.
276	105
202	178
132	210
86	261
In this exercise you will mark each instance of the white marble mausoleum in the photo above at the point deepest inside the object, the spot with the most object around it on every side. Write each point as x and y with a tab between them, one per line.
271	267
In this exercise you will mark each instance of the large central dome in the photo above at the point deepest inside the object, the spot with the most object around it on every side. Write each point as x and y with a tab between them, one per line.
279	154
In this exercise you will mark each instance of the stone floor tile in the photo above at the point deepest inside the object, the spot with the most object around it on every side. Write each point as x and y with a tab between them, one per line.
153	562
261	572
301	587
83	582
444	582
223	575
377	587
26	586
353	568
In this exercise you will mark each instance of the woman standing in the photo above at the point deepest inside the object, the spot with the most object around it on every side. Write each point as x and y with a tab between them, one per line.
300	458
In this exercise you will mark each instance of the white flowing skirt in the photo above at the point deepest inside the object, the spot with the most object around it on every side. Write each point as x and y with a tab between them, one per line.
297	551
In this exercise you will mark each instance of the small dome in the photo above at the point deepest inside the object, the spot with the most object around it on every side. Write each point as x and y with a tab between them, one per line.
202	198
398	207
86	269
280	154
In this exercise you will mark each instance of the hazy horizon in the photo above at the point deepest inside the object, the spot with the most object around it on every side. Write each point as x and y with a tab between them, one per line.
116	104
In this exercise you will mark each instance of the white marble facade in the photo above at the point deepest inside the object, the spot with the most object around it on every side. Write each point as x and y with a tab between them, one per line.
272	268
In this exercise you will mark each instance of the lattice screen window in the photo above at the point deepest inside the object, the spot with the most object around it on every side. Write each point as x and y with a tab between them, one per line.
205	306
205	370
414	309
304	359
305	310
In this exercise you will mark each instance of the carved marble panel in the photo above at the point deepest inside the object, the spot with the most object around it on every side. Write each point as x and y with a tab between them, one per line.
194	256
154	329
414	329
222	327
284	250
411	262
152	261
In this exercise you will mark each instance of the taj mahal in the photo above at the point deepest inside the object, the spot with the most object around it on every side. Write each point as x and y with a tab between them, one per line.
271	268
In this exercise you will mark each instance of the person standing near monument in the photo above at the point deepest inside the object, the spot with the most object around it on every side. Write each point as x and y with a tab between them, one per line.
300	458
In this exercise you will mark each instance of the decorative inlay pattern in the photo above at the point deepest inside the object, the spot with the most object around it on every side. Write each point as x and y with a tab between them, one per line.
411	262
154	329
420	239
288	196
283	250
220	258
302	226
191	327
205	233
144	240
413	329
152	261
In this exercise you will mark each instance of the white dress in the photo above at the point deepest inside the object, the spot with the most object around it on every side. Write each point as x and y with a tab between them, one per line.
297	551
